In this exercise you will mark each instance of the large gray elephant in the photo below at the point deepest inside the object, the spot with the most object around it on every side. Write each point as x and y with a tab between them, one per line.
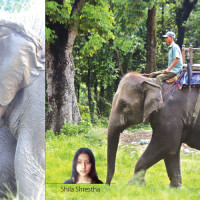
138	99
22	107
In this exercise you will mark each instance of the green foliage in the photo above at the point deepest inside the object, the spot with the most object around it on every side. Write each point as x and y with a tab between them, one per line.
58	13
166	21
192	34
97	18
128	43
50	35
129	17
74	129
95	137
96	21
139	127
85	112
95	42
97	120
49	134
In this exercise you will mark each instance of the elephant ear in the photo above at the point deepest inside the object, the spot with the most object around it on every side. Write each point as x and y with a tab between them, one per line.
152	98
21	60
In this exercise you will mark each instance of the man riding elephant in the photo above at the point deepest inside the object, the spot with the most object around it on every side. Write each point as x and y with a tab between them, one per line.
175	63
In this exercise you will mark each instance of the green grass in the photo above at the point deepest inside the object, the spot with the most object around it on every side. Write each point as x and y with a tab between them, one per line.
59	155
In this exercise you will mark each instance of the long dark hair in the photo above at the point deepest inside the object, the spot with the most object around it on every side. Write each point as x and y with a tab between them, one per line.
92	174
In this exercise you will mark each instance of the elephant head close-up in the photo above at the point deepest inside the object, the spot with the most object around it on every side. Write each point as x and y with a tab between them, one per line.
171	117
22	111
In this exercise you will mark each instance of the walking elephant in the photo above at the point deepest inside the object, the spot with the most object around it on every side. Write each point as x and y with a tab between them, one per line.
22	106
137	99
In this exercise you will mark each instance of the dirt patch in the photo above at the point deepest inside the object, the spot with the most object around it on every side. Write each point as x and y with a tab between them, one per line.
127	138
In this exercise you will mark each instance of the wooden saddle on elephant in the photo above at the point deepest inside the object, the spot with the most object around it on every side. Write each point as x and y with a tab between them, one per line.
153	75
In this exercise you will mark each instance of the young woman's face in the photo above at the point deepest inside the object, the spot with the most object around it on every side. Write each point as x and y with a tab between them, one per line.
83	166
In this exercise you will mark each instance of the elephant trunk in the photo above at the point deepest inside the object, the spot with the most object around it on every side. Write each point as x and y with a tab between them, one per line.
113	140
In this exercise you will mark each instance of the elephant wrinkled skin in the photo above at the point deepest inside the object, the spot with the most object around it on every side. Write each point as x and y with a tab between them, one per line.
22	108
7	153
138	99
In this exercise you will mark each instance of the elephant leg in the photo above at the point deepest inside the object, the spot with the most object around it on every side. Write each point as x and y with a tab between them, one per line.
172	163
148	158
28	171
7	155
157	149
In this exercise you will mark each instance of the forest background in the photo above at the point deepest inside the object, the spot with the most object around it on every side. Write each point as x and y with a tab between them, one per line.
91	44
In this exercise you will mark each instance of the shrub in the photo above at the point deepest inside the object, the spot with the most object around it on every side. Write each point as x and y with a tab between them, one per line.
84	111
73	129
139	127
49	134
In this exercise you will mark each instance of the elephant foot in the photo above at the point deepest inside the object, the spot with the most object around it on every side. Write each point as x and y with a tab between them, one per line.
175	186
175	182
138	178
172	185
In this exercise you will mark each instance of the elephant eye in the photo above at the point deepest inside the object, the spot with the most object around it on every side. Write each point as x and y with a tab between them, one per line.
3	36
122	103
4	32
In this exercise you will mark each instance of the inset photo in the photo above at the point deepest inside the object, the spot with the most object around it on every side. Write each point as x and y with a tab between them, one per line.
22	99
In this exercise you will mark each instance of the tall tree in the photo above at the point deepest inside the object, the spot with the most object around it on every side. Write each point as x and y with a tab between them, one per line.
65	20
151	40
182	14
60	71
118	62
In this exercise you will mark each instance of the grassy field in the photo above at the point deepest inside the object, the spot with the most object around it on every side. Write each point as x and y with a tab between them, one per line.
59	155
